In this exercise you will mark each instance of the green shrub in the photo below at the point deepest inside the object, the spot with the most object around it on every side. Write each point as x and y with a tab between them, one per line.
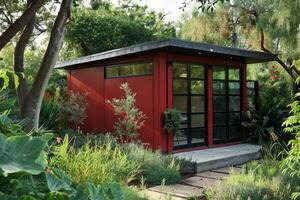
155	166
131	119
173	120
291	164
74	109
96	164
50	115
265	181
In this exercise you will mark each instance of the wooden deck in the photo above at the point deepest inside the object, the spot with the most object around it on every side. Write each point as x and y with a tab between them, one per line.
190	187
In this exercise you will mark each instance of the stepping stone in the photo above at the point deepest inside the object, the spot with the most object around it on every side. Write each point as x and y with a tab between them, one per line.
198	181
240	166
228	170
179	190
213	175
152	195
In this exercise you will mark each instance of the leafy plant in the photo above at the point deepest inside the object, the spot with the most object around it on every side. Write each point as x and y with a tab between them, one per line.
22	153
173	120
265	125
291	164
131	119
74	109
51	115
9	127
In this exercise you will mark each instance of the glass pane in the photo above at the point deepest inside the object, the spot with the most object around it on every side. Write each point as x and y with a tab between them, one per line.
234	103
198	135
219	134
250	84
180	138
234	74
184	123
219	87
179	70
129	70
180	86
235	132
180	103
234	87
197	87
197	121
219	118
197	104
219	104
218	73
197	71
234	118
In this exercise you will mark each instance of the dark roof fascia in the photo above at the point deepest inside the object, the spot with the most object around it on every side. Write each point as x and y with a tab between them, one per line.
249	56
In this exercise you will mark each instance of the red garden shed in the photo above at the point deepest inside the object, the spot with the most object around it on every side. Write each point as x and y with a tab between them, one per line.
207	83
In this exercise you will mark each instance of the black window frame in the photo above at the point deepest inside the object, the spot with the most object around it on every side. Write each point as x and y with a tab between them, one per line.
189	96
227	112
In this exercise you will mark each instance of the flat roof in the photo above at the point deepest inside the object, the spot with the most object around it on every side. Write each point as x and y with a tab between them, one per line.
176	46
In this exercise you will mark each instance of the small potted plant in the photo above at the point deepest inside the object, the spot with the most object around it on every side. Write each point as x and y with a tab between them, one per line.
172	120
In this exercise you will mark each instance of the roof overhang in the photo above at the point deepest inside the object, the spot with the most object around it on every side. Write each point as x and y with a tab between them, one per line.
177	46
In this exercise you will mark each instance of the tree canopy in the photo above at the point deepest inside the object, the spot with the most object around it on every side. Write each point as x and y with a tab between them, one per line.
103	26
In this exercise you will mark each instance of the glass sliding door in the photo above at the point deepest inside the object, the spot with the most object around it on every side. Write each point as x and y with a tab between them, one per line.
189	98
226	105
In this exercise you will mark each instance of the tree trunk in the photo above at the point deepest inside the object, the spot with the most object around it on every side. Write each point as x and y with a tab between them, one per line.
22	90
20	23
35	97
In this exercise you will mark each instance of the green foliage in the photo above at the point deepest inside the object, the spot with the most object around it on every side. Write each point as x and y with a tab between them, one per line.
24	173
264	125
265	181
105	26
5	78
173	120
213	28
22	153
155	166
51	114
74	109
8	126
96	164
291	164
58	112
131	119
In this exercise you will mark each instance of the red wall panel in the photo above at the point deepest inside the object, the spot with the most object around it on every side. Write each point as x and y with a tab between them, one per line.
143	87
90	81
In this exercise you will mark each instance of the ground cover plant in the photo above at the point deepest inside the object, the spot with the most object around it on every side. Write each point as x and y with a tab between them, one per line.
155	167
259	181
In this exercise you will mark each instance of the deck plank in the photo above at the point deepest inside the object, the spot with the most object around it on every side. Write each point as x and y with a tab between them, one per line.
199	181
213	175
179	190
227	170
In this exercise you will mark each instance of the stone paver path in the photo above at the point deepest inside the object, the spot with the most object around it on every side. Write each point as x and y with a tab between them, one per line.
190	187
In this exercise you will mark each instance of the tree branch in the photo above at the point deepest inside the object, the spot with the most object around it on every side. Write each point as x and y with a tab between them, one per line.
20	23
262	46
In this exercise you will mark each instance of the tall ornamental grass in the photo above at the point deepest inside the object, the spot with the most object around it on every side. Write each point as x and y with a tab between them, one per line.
97	164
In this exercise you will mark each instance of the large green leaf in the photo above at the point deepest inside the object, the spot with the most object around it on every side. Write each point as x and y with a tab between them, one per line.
96	192
22	154
57	181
